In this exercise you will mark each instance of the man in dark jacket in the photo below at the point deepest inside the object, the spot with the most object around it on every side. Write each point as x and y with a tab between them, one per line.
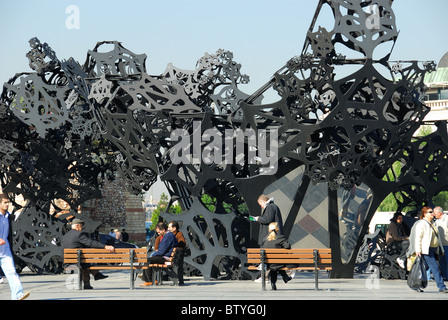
270	213
163	252
75	238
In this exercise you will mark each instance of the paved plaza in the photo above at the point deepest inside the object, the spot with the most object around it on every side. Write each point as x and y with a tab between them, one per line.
117	287
200	299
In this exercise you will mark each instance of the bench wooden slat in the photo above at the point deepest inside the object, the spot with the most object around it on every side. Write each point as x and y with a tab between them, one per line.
289	255
290	261
114	267
297	269
108	256
91	255
269	250
102	261
123	256
94	250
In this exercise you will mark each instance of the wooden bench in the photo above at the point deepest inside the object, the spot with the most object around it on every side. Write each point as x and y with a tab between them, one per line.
293	259
101	259
170	267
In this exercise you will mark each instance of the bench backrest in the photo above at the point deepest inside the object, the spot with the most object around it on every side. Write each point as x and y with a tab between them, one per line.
103	256
173	258
299	257
174	255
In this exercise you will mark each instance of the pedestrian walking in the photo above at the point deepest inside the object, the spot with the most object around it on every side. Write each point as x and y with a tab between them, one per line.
425	241
6	258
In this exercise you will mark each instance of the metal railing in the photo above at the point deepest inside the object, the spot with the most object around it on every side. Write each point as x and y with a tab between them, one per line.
437	104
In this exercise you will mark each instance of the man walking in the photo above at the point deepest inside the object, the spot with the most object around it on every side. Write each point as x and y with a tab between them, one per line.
270	213
6	259
442	226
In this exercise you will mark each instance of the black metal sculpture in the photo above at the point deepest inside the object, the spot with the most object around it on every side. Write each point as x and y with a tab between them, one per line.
328	141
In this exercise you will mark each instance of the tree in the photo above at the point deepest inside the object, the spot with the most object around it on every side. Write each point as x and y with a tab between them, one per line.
211	204
390	204
162	207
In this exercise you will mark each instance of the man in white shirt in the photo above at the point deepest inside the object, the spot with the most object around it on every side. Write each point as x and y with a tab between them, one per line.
442	226
6	259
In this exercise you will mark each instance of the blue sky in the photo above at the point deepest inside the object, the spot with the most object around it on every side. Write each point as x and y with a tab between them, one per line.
263	35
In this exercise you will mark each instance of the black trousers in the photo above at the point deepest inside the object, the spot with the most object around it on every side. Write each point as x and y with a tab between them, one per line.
180	268
147	273
401	246
273	275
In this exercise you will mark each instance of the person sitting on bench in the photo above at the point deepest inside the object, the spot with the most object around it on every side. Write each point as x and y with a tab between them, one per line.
274	240
75	238
163	253
397	237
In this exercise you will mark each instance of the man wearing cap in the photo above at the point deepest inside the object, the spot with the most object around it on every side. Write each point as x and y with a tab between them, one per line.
75	238
118	235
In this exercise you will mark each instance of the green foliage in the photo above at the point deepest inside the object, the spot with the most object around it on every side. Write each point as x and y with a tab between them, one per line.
424	131
390	204
393	174
162	207
441	200
211	202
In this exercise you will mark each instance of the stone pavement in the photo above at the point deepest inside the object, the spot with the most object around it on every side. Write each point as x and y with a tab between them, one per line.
117	287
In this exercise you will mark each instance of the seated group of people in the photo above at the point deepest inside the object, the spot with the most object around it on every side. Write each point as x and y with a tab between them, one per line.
169	237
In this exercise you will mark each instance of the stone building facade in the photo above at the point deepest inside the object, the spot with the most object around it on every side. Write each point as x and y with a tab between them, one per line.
118	209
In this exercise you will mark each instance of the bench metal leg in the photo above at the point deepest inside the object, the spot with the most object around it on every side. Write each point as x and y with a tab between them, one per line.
154	276
174	275
79	269
176	281
263	272
159	276
80	278
316	270
131	259
132	278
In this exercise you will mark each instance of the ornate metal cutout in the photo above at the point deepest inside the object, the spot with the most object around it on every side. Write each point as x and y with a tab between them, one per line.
66	127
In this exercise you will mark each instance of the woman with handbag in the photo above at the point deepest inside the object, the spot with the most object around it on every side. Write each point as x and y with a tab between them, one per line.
425	242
